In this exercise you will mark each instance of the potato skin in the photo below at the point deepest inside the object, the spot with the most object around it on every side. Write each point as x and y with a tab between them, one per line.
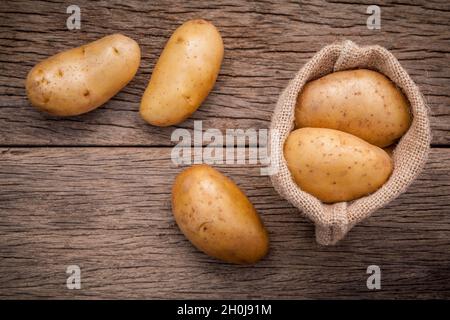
335	166
216	216
362	102
79	80
184	74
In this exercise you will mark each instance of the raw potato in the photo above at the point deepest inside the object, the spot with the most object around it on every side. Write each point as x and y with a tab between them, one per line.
335	166
362	102
216	216
184	74
81	79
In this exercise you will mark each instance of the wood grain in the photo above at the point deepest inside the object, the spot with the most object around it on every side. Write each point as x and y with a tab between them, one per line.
94	190
108	211
266	42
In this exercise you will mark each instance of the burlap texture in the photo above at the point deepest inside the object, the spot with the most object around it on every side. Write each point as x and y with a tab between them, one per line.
333	221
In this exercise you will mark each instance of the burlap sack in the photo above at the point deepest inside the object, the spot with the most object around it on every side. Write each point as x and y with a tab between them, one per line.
333	221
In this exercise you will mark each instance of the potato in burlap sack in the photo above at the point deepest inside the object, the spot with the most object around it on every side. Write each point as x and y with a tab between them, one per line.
333	221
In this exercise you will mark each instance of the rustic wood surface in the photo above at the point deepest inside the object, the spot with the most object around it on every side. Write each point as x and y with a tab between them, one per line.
266	42
94	190
108	211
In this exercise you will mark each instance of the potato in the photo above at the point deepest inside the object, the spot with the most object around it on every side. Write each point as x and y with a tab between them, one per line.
81	79
335	166
362	102
216	216
184	74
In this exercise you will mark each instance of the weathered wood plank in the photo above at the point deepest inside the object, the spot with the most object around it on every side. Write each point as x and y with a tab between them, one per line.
266	42
108	211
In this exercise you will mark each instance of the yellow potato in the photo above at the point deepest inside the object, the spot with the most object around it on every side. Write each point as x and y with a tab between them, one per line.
184	74
335	166
216	216
362	102
81	79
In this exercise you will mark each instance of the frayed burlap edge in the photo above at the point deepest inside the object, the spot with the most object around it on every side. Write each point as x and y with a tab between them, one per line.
333	221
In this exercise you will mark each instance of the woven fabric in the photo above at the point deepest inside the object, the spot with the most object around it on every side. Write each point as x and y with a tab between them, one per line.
333	221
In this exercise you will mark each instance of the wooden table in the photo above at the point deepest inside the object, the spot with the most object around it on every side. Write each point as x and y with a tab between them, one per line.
94	190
